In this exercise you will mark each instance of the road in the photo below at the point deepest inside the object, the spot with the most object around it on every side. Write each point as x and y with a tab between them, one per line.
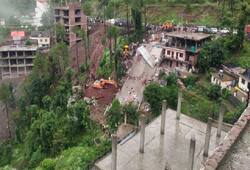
134	85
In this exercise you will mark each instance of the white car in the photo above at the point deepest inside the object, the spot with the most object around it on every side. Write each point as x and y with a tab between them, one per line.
224	31
214	30
201	28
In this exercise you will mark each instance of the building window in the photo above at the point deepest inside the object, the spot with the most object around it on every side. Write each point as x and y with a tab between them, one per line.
243	81
181	54
168	52
41	40
77	19
46	40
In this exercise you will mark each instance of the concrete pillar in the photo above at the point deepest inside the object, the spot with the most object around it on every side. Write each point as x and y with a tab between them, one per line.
191	152
125	118
142	135
220	121
163	116
178	114
114	152
208	135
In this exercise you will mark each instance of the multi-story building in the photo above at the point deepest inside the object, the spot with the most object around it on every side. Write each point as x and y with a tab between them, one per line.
71	15
182	48
16	60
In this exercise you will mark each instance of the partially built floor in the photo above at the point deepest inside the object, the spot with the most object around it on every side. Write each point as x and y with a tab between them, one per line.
170	149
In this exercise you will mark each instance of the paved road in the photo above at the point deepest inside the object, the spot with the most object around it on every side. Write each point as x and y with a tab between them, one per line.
171	149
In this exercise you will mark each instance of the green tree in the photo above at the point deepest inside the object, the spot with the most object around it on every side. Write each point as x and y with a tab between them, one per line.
131	112
214	92
114	116
171	79
136	11
211	55
47	20
60	32
154	96
7	97
112	33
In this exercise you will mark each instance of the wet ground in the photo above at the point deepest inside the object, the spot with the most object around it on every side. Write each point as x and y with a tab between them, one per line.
239	156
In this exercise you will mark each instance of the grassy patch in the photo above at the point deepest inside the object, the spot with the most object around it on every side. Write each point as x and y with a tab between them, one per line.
197	105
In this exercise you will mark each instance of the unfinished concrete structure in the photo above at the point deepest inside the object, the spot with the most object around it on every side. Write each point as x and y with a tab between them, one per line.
182	48
169	151
16	60
71	15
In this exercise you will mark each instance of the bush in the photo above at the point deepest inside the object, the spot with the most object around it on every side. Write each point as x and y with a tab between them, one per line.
225	93
105	68
5	153
190	81
171	79
132	113
232	117
214	92
75	158
48	164
154	94
36	157
114	116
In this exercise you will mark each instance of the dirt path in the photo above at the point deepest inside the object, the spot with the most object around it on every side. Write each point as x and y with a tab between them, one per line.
96	48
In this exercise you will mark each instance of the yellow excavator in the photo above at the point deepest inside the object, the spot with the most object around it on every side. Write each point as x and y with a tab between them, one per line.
126	51
102	84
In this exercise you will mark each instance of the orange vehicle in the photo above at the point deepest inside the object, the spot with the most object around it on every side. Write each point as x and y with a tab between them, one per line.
167	26
126	51
101	84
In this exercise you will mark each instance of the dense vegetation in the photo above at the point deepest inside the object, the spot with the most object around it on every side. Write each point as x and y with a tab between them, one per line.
46	124
51	133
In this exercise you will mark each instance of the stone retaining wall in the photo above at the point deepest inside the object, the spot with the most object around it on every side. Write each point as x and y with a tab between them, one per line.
222	149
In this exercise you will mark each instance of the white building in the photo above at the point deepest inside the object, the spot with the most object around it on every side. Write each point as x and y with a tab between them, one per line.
223	79
43	38
41	7
244	80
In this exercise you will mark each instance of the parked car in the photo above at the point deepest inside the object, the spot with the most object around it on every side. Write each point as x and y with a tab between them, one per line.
208	30
214	30
201	28
224	31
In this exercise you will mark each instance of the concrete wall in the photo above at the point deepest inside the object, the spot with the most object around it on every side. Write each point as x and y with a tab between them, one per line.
175	53
222	84
224	147
243	83
42	41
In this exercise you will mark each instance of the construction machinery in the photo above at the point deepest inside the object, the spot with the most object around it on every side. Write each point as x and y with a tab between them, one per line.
126	51
167	26
102	83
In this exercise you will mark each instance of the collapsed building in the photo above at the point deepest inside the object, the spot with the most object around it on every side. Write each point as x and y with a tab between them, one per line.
181	48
